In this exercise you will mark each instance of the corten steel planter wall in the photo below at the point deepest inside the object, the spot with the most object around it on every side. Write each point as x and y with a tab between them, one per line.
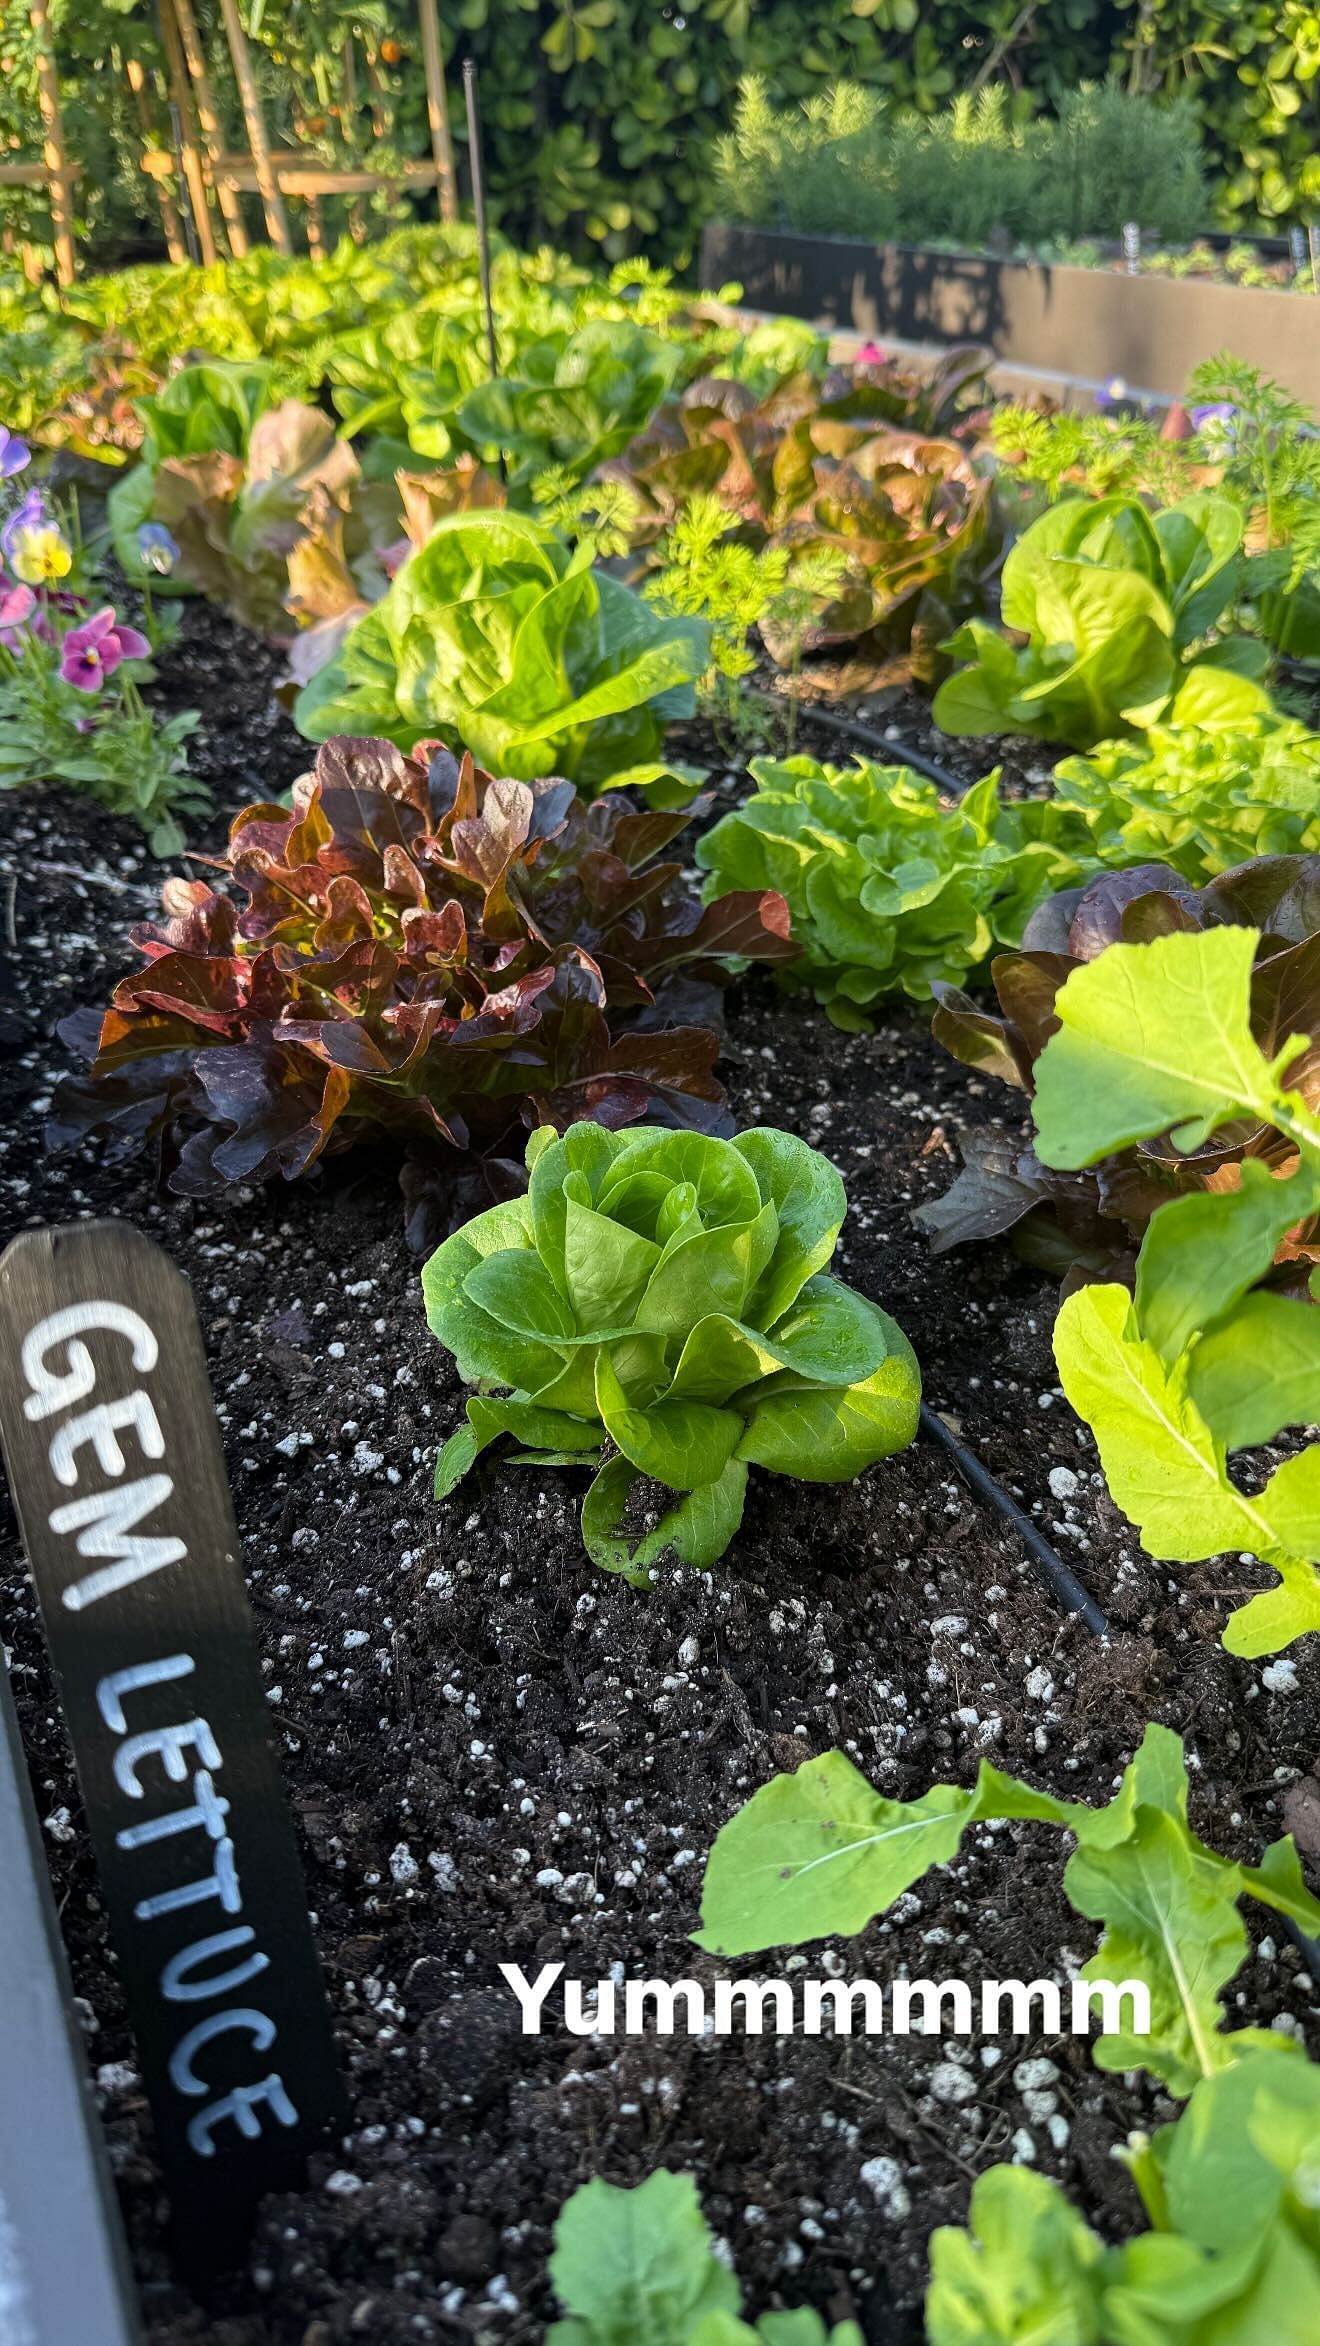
1090	324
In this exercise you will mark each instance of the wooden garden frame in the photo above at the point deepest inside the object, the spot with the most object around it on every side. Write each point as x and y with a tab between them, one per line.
205	167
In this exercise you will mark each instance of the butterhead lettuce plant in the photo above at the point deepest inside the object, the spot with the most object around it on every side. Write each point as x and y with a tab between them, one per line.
658	1306
495	632
1119	611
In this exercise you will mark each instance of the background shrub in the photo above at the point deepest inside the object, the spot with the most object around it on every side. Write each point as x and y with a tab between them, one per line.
601	115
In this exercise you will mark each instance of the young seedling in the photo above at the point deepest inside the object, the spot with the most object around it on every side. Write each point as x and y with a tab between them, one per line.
1233	2251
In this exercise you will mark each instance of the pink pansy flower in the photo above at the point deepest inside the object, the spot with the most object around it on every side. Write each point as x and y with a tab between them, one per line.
92	652
17	604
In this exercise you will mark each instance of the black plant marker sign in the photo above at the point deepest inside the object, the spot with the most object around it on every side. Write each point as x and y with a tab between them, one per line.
63	2275
114	1457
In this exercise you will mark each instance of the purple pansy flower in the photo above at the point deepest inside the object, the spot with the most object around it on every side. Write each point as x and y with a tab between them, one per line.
92	652
157	549
29	514
1219	417
15	454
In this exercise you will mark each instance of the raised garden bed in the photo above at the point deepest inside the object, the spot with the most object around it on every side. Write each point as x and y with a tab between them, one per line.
498	1754
1087	324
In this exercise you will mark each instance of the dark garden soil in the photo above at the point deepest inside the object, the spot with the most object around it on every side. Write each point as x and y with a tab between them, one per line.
496	1753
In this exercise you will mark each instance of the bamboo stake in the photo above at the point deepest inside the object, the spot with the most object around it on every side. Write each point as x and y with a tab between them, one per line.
272	202
193	174
437	110
169	210
54	149
231	211
357	219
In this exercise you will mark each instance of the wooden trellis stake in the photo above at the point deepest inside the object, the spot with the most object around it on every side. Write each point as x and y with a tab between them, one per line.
272	202
59	179
437	110
199	159
189	157
135	75
231	211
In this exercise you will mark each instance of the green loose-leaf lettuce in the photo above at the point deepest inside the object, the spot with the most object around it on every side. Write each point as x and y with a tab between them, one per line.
1232	2259
1118	608
889	890
1199	798
660	1298
495	632
571	400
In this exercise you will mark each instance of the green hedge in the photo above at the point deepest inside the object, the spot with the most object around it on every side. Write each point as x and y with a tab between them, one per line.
602	115
848	164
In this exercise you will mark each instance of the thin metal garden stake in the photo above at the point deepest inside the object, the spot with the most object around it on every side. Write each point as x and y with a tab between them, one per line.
1058	1577
473	104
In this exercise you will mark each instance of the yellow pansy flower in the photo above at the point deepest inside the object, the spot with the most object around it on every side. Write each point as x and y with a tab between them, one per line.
40	555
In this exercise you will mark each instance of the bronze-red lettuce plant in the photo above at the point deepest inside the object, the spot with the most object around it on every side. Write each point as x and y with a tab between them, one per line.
419	950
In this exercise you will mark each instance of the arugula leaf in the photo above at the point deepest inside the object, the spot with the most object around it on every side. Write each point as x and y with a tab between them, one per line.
1087	1221
820	1852
1201	1254
1156	1036
1257	1371
1171	1919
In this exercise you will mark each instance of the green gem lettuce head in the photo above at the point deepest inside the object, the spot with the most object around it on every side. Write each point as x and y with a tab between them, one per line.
658	1305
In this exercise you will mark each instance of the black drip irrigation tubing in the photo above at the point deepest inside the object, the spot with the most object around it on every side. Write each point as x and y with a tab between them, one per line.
890	752
1059	1578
